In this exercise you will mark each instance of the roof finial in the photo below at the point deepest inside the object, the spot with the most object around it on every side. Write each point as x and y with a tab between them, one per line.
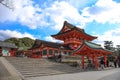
65	22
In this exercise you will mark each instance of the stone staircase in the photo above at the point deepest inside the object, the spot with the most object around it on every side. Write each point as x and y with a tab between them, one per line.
30	67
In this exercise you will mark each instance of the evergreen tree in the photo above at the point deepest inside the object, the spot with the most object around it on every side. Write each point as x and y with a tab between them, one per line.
109	45
118	50
22	43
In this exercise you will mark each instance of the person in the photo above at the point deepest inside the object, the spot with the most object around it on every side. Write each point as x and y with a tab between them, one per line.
119	62
90	64
102	63
78	63
107	63
59	57
115	61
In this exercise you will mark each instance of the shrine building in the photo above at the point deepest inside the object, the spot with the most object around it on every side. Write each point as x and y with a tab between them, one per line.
7	49
75	42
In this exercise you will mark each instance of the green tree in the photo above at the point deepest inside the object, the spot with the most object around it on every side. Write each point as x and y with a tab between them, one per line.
22	43
109	45
8	3
118	50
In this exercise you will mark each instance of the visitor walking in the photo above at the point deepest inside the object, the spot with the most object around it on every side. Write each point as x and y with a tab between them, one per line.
102	64
107	63
119	61
115	61
59	57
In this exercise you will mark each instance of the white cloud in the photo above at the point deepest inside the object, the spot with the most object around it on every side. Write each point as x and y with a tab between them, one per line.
81	3
49	38
112	35
5	34
29	14
103	11
58	12
6	14
24	12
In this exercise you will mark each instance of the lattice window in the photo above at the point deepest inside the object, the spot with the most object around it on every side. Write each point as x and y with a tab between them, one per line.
50	51
44	52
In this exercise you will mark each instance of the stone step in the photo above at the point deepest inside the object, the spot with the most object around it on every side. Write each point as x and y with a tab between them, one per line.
43	74
29	67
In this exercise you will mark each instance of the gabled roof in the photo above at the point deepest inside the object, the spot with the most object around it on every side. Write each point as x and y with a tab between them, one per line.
96	46
38	43
71	28
7	44
91	46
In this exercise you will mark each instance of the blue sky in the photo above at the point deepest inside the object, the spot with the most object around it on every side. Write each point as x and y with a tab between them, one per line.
38	19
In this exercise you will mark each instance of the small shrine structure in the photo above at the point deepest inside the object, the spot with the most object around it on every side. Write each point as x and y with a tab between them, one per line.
7	49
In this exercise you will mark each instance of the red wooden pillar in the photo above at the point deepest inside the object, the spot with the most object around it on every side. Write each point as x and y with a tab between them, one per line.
59	52
47	52
93	59
53	52
32	53
40	54
105	60
0	51
96	62
83	66
11	53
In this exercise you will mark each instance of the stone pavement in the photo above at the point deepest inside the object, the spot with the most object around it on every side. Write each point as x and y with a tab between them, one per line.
23	69
114	76
91	75
3	72
7	71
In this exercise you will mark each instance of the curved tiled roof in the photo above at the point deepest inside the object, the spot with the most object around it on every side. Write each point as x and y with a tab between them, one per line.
71	27
7	44
92	46
38	43
96	46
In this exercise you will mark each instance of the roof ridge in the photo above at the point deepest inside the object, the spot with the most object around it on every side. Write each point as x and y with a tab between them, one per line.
70	25
49	44
73	26
48	41
92	43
